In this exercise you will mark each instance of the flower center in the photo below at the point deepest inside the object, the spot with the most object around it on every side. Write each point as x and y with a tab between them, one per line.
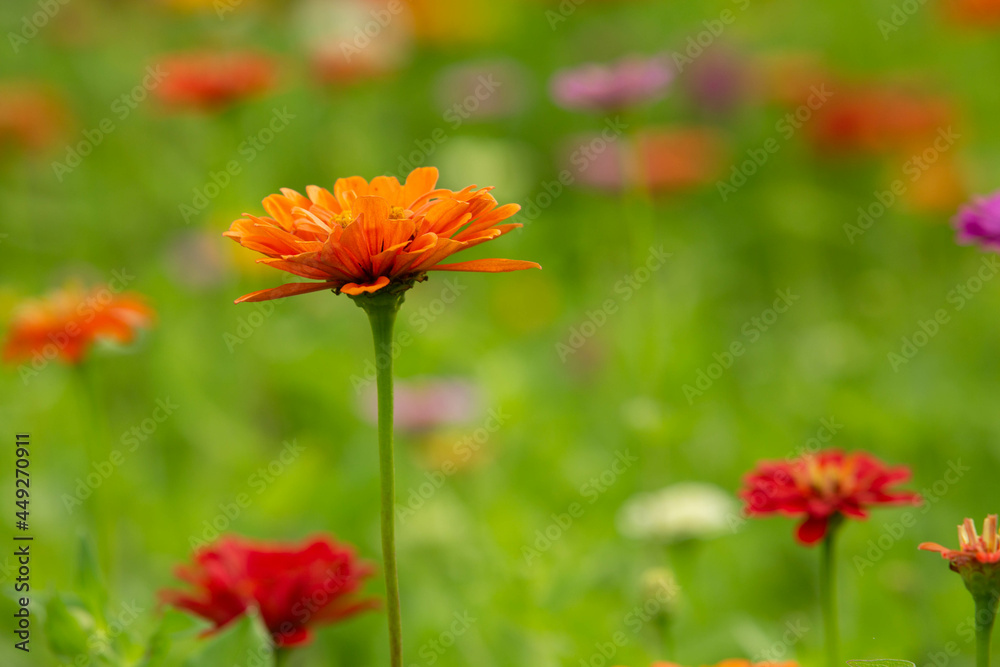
828	479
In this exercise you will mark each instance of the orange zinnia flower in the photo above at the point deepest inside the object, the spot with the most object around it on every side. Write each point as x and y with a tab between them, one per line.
972	548
66	323
977	561
208	81
366	236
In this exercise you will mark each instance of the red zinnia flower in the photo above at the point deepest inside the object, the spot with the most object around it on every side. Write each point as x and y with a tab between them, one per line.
365	236
294	587
66	323
208	81
822	486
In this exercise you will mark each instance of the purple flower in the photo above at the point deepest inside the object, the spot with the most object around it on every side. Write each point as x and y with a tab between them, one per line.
625	83
718	81
979	222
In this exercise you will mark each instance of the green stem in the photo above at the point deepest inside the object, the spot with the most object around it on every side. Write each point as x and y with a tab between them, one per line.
828	595
986	611
94	430
381	310
282	656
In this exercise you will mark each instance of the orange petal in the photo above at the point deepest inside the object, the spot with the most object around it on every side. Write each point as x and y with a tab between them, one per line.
289	289
420	181
373	219
296	268
388	188
488	265
345	186
323	197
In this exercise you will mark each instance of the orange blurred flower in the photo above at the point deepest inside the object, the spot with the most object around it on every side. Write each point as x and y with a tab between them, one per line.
678	159
66	323
876	120
31	117
210	80
661	160
366	236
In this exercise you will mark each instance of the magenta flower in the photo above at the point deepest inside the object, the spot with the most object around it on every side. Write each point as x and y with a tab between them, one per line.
979	222
613	87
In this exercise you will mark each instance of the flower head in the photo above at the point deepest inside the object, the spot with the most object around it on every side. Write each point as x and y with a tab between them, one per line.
612	87
719	81
876	120
213	80
688	510
979	222
366	237
977	558
823	486
66	323
280	580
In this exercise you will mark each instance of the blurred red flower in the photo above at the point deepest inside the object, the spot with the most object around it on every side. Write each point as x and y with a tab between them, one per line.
975	12
64	324
213	80
364	236
877	120
822	486
293	587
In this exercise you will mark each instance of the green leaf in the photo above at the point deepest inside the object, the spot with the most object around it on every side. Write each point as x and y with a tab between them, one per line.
175	634
242	641
881	662
65	630
90	584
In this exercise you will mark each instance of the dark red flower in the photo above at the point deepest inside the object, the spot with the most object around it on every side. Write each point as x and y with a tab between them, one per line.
822	486
293	587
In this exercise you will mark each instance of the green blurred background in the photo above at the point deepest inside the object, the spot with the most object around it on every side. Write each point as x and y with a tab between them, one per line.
291	378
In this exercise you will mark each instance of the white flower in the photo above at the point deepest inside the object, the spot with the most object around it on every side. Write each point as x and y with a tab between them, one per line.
688	510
